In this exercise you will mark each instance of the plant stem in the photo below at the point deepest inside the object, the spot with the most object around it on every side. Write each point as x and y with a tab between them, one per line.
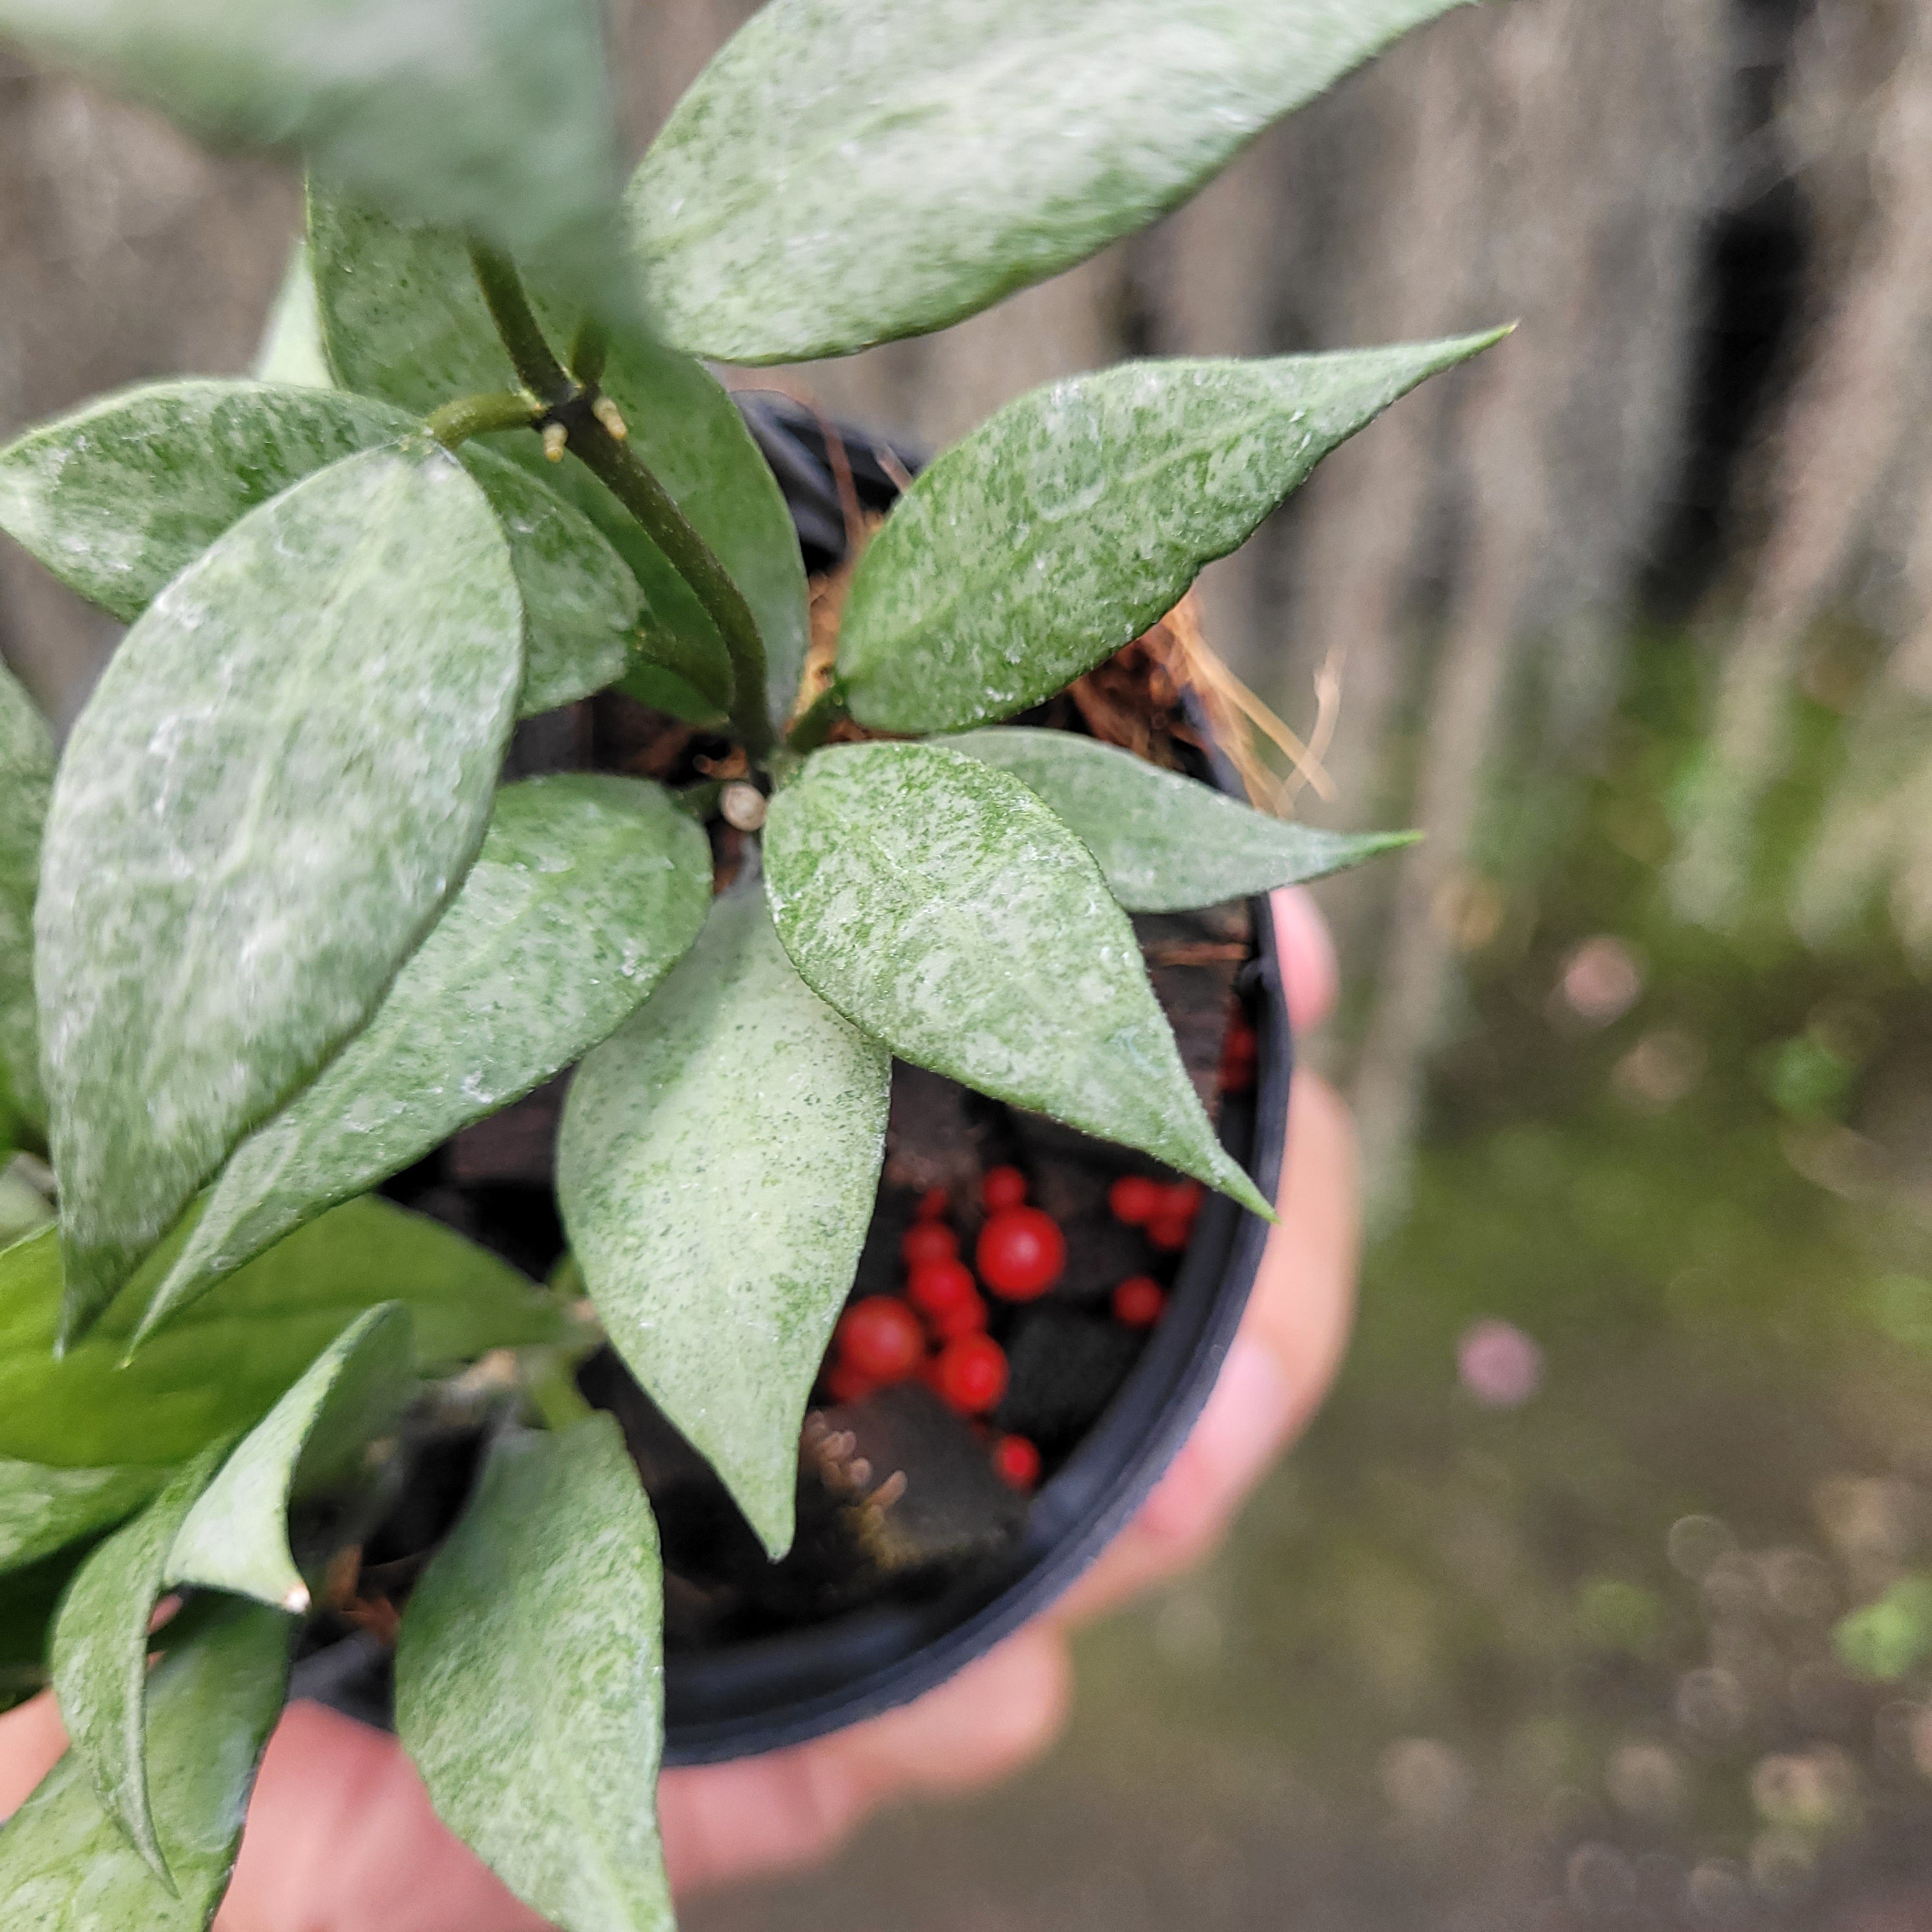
588	351
615	465
815	725
531	356
476	415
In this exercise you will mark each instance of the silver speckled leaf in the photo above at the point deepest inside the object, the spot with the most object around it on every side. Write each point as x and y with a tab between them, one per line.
716	1170
219	1367
849	171
120	495
26	777
44	1508
284	771
66	1866
1165	842
127	493
493	116
98	1655
404	321
937	903
290	350
529	1683
1064	526
236	1536
587	891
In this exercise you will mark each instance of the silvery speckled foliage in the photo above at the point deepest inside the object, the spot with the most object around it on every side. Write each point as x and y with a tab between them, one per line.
273	927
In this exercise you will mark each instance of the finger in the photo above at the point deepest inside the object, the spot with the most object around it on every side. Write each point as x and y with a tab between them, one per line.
341	1838
1278	1369
31	1742
1310	976
793	1808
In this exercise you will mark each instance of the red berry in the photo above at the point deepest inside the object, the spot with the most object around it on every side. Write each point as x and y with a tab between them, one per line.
932	1204
1003	1187
964	1318
1138	1301
844	1383
1169	1232
880	1337
926	1242
1183	1200
1020	1253
1016	1461
935	1286
1136	1199
970	1374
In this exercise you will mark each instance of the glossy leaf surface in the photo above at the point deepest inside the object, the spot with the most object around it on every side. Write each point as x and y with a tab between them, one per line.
99	1656
283	772
219	1367
848	171
1066	525
588	889
1164	842
405	322
26	776
124	494
44	1508
65	1866
493	116
938	903
716	1170
529	1684
236	1536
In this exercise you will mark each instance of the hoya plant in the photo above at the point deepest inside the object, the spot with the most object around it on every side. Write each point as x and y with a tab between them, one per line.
272	926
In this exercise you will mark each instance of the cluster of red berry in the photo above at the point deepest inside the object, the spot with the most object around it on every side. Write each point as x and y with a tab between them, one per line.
938	1331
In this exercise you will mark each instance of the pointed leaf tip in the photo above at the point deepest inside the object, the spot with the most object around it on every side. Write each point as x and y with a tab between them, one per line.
1064	526
940	904
717	1168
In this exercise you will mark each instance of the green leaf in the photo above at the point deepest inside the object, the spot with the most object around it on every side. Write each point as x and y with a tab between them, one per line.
493	116
26	775
1164	842
937	903
218	1367
529	1683
1066	525
586	891
65	1866
44	1508
99	1656
846	172
283	772
123	495
580	602
291	349
405	321
236	1536
716	1170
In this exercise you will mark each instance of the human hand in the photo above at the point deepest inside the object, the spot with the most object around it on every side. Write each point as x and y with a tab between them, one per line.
340	1836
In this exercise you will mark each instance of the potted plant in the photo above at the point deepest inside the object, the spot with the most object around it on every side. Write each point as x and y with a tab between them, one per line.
289	933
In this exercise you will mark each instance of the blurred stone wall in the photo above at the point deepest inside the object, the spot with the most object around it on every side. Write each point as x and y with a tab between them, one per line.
1458	582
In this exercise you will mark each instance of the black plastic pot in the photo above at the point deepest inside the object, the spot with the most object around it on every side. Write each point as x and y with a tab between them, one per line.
757	1695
